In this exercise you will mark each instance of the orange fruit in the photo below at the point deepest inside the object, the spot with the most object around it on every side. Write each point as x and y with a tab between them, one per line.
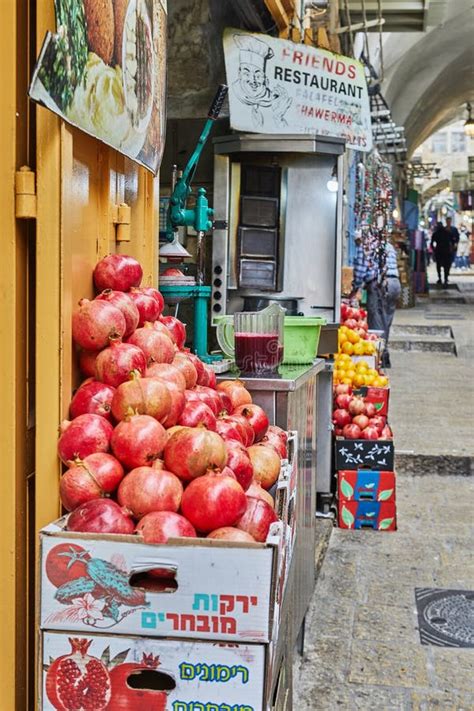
359	348
342	339
359	380
369	379
353	337
347	348
346	381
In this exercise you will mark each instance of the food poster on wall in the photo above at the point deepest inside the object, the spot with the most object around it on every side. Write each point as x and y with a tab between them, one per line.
277	86
104	71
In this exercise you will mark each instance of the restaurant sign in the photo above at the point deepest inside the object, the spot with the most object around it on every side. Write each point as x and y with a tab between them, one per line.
277	86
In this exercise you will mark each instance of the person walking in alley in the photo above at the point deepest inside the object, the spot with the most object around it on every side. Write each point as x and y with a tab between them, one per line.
454	232
464	249
366	273
391	290
442	242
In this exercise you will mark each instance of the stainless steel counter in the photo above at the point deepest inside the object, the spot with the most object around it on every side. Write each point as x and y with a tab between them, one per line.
290	399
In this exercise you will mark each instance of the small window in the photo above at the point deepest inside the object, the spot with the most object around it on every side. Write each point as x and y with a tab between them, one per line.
458	142
439	143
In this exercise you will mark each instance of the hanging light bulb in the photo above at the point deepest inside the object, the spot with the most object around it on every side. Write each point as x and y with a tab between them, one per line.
332	184
469	125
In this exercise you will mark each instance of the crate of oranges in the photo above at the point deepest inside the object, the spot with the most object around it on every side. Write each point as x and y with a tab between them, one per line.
352	343
356	375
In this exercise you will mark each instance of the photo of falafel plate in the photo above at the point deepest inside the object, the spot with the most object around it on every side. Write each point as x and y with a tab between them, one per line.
98	70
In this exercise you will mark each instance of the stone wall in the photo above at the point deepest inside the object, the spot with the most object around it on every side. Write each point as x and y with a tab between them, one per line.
195	57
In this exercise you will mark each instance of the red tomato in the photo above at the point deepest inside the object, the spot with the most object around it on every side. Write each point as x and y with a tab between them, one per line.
66	561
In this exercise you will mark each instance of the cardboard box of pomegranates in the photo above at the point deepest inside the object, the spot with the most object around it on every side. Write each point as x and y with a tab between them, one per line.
189	587
374	454
115	672
365	485
377	515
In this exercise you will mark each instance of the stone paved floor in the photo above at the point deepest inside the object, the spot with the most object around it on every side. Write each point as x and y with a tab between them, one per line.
362	646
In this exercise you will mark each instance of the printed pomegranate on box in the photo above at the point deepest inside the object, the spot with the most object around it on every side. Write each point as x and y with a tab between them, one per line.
114	673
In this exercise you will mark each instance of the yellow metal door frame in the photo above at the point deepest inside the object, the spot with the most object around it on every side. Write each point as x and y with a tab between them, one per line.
66	240
14	287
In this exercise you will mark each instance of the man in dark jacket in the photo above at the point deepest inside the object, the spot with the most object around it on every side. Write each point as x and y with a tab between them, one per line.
442	243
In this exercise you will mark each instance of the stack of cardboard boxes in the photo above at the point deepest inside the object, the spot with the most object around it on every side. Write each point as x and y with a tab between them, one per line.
199	632
366	481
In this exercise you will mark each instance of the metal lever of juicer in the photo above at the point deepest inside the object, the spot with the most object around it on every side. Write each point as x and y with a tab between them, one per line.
200	217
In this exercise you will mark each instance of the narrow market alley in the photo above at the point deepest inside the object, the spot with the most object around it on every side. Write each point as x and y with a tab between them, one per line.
362	648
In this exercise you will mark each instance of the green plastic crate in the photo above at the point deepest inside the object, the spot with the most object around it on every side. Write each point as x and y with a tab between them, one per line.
302	339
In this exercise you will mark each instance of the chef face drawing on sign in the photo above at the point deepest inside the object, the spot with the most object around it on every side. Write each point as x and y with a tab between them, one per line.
252	86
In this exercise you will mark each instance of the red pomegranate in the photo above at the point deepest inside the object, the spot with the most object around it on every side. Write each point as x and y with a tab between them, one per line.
245	427
201	374
100	516
167	372
230	429
126	305
370	433
228	533
176	328
370	409
159	526
237	392
378	421
91	478
114	364
93	398
213	500
118	272
87	362
190	452
177	405
197	414
266	464
155	294
183	363
146	489
161	328
257	418
148	307
65	562
239	462
126	698
138	440
155	345
273	429
211	376
275	441
82	436
143	396
209	396
258	492
95	323
257	519
226	403
351	432
77	681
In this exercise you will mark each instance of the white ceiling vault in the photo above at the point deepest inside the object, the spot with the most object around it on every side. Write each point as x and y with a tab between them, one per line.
428	74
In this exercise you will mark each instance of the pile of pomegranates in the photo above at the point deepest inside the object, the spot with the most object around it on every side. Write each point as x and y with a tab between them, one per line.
356	319
355	418
153	445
